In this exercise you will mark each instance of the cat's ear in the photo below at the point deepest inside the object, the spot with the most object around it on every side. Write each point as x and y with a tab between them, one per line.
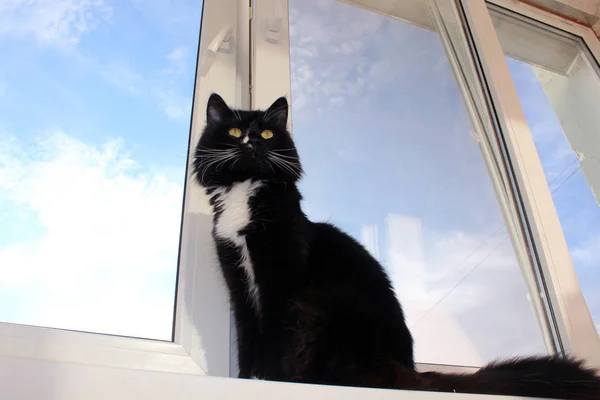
277	114
217	110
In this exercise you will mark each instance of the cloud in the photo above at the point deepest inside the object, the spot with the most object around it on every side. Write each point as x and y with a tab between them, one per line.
101	251
181	17
123	76
588	253
62	23
170	87
342	54
327	44
455	287
52	22
166	85
177	55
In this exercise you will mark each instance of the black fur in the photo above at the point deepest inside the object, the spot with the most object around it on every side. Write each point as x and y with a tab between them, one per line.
326	311
549	377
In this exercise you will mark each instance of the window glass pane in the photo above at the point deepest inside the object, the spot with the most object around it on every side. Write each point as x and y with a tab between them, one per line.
95	98
558	84
390	157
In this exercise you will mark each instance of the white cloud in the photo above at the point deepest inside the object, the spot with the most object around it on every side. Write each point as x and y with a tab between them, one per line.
63	23
327	45
54	22
105	251
458	290
174	104
122	76
168	87
342	54
178	55
588	253
180	17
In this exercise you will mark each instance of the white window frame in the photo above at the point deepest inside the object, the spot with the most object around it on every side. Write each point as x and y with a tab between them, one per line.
574	325
37	362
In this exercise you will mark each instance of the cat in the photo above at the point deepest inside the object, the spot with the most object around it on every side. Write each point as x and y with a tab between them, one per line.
310	303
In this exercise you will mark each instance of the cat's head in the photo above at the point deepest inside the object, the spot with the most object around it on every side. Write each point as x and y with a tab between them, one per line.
238	145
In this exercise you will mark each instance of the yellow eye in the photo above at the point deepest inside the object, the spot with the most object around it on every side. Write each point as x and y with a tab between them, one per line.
266	134
235	132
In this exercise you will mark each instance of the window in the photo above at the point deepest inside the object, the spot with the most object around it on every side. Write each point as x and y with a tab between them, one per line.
375	105
486	226
558	83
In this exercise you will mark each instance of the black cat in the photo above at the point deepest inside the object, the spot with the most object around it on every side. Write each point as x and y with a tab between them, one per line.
310	303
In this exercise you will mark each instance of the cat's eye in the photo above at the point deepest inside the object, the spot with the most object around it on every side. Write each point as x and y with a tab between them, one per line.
235	132
266	134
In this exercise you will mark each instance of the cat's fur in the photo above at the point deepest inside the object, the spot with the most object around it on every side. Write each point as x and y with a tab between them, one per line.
310	303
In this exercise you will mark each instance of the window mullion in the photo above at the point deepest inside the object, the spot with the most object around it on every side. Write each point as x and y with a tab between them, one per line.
271	52
202	317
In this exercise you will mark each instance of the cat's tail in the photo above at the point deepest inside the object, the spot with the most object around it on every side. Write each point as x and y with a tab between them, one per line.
546	377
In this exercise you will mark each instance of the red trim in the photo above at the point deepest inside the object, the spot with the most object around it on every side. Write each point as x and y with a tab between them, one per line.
559	15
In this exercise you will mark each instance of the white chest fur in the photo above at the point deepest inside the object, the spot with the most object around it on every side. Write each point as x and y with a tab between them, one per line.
235	216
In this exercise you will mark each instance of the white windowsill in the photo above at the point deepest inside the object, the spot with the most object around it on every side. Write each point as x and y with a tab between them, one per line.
67	381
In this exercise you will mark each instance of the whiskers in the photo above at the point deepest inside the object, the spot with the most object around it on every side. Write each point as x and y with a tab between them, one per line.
217	157
215	160
285	162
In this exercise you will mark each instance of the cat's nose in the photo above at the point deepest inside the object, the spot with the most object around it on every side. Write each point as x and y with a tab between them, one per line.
253	139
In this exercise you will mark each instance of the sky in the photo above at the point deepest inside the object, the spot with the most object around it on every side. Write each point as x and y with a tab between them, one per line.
95	97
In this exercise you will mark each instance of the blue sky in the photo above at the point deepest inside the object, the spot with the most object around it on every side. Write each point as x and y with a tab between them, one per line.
95	98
